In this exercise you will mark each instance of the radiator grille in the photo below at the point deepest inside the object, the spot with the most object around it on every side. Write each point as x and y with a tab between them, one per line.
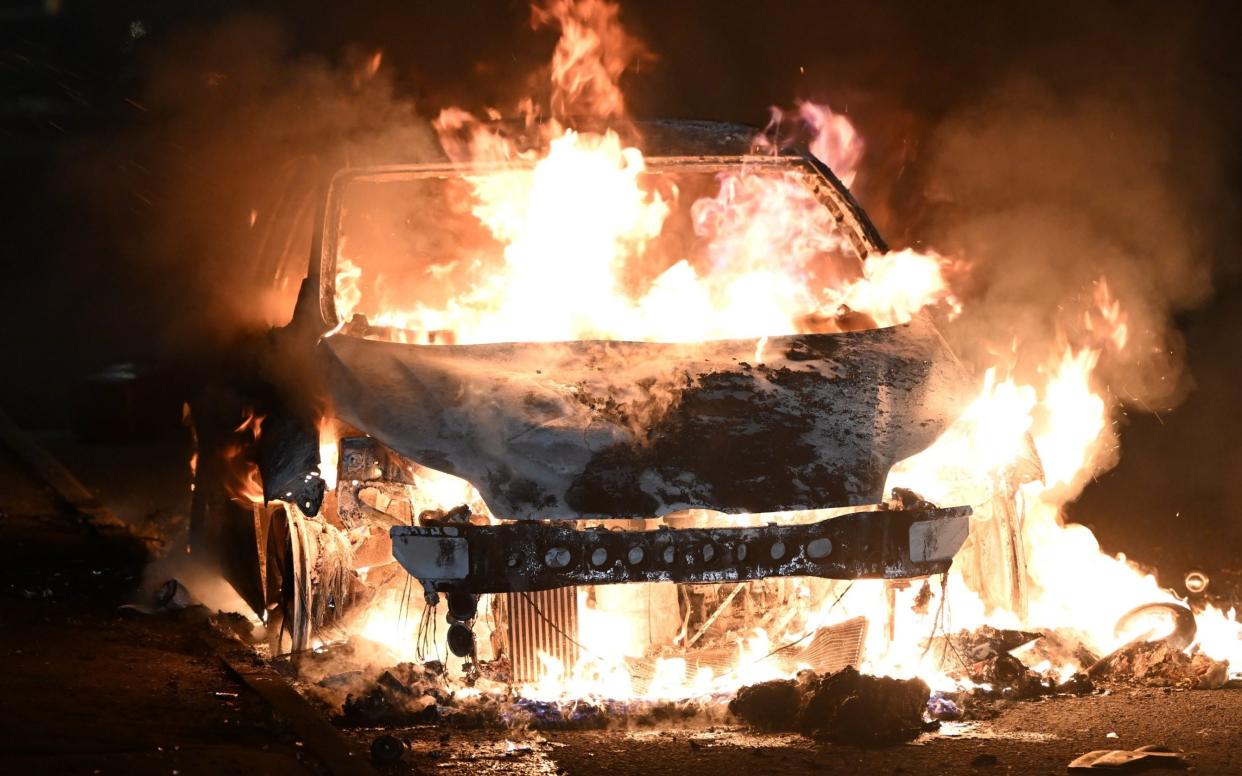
543	621
547	621
828	651
834	647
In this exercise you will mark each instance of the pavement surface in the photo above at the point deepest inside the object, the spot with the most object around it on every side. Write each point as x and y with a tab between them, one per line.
1027	738
89	689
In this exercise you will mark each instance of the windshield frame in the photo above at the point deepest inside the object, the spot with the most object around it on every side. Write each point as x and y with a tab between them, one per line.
826	188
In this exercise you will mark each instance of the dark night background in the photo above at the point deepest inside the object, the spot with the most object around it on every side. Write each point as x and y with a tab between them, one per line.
134	135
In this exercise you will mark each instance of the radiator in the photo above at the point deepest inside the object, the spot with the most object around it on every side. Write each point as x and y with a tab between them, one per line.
543	621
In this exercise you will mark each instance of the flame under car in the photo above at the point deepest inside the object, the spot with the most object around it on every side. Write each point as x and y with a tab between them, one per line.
479	465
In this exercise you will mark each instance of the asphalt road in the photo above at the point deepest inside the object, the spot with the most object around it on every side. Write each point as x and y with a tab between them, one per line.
88	689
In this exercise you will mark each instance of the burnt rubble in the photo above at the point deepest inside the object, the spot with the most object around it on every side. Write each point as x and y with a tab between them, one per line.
406	694
986	658
849	707
1000	674
842	707
1157	664
409	694
774	705
414	694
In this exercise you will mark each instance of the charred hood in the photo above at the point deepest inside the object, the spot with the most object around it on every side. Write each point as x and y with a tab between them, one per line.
605	429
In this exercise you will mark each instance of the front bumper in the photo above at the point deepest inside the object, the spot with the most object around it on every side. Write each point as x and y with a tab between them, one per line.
528	556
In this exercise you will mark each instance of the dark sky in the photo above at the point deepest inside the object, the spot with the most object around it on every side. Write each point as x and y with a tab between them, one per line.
108	137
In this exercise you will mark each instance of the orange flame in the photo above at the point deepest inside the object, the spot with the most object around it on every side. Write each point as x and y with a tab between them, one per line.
243	481
575	215
593	52
329	451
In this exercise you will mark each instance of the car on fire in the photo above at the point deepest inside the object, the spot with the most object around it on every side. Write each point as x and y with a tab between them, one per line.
519	469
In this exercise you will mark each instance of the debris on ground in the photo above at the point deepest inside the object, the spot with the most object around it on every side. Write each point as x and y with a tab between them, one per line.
986	642
844	707
406	694
413	694
1006	677
1143	623
172	596
1128	759
986	657
940	706
1156	664
773	705
853	707
386	749
1161	661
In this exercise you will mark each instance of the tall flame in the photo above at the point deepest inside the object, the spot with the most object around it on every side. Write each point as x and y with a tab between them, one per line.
578	211
576	222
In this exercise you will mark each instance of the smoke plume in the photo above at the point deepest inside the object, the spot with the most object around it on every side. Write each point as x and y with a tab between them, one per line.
212	193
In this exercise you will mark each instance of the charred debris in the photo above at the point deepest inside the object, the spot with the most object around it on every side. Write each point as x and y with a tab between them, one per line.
832	702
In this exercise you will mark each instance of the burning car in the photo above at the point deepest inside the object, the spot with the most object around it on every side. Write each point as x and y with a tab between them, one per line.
494	454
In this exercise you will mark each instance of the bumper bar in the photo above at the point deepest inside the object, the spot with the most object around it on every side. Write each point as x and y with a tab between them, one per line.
529	556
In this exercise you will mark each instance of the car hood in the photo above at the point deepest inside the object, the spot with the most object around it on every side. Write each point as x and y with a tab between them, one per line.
605	429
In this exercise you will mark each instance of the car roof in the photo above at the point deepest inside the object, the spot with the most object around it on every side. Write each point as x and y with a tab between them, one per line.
675	137
655	137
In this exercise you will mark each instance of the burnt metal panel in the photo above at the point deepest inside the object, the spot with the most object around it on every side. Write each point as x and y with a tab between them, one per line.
598	429
288	459
831	649
529	556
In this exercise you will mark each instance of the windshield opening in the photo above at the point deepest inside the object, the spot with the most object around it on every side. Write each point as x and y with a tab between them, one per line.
632	250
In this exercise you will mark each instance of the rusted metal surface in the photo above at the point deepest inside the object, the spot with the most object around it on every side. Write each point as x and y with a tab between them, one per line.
527	556
624	429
